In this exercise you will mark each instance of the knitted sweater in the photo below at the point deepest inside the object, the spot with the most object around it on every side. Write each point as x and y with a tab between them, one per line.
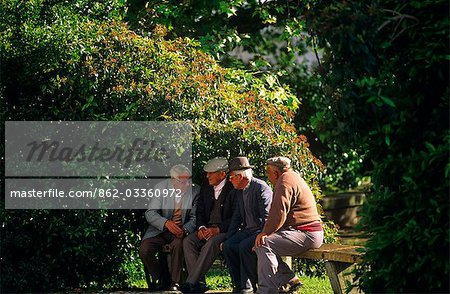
293	204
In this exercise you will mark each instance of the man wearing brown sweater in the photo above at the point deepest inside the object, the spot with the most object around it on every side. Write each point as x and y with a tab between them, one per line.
292	227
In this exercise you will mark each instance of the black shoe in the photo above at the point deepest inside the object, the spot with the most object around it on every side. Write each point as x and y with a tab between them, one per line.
202	287
152	287
174	287
161	286
189	288
184	287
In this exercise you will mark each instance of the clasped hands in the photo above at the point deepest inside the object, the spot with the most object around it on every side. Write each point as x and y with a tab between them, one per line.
175	229
206	233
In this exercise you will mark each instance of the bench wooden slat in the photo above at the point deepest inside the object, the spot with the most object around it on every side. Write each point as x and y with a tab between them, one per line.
334	252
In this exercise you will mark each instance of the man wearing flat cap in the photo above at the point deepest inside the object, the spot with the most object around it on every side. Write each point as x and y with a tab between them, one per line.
254	197
293	226
214	211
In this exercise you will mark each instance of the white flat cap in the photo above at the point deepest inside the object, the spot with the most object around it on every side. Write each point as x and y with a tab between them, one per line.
216	164
280	161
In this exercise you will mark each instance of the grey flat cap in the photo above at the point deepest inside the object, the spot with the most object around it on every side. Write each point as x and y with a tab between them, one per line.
216	164
279	161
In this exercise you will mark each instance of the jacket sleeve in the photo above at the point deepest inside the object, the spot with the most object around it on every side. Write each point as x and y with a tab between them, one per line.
153	214
190	225
236	219
280	208
265	202
201	216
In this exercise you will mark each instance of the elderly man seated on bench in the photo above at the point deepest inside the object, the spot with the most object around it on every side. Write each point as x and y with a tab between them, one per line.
292	227
215	208
169	219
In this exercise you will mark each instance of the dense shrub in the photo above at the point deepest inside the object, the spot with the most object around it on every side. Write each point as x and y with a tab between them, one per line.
385	74
71	61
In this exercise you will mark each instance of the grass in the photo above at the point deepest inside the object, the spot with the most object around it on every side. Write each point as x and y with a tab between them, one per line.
313	285
219	279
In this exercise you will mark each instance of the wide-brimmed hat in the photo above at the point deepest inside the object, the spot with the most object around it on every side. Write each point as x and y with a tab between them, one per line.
216	164
239	163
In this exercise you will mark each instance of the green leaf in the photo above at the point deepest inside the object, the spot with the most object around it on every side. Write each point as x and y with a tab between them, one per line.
387	101
387	140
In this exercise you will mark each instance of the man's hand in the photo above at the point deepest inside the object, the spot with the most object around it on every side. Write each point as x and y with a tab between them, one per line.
211	232
201	233
260	239
174	228
179	236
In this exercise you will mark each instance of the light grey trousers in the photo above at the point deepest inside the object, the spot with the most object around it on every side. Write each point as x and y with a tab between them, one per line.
272	271
200	255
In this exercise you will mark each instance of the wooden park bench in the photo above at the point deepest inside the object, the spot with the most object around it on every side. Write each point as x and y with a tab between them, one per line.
337	258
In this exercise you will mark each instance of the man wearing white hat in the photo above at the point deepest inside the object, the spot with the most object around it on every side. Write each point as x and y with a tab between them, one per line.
214	211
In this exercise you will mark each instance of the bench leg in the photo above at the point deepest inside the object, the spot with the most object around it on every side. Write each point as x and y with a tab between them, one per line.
334	271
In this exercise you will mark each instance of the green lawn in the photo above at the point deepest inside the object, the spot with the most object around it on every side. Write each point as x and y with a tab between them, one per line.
219	279
315	285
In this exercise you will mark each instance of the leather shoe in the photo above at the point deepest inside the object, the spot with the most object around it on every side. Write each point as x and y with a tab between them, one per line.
291	286
202	287
174	287
160	287
191	288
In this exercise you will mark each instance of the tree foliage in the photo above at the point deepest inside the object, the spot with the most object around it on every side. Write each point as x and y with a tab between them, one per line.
267	38
80	61
385	74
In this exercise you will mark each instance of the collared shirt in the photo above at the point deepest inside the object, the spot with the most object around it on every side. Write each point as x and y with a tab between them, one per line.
218	189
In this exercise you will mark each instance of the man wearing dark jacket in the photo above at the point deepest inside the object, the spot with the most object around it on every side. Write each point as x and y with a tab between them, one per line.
214	210
254	197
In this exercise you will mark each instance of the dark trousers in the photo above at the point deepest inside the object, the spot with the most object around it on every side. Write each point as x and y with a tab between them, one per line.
241	260
157	266
200	255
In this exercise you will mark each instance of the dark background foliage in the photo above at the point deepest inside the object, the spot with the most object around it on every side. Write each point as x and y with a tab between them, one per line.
385	74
